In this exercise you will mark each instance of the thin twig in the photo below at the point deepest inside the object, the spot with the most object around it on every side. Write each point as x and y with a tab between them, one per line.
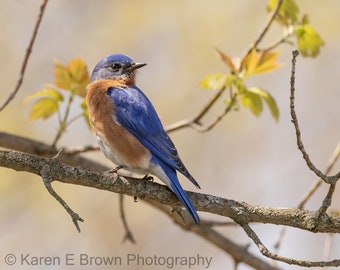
327	201
27	56
265	28
209	105
47	179
317	184
272	255
195	122
220	116
63	124
128	234
311	166
334	158
283	39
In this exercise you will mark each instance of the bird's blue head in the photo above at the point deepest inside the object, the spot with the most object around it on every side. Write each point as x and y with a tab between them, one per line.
115	66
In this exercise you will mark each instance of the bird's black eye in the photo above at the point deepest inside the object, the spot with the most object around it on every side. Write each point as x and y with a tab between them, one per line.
115	67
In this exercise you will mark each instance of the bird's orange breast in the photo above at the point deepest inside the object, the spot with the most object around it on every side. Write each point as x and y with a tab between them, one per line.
128	150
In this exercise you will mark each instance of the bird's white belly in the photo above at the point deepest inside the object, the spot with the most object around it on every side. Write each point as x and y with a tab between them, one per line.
118	160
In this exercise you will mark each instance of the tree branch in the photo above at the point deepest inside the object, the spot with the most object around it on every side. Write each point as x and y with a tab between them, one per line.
195	122
241	213
26	145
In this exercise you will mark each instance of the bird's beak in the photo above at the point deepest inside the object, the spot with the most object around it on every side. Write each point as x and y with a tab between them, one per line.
136	66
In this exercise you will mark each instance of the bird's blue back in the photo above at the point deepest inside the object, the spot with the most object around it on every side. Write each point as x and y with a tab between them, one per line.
135	112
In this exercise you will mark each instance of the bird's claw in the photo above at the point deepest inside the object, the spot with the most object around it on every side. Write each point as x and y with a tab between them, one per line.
115	169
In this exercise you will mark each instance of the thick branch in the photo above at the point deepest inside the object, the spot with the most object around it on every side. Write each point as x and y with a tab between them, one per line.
241	213
26	145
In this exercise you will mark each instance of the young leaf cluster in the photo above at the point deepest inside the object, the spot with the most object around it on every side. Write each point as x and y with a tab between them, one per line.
307	38
264	60
256	62
69	80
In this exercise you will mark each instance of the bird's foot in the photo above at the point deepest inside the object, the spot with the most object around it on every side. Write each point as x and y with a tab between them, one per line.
114	171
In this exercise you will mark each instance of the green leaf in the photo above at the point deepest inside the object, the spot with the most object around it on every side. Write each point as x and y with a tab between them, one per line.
309	41
288	13
253	102
240	86
46	92
46	105
270	101
43	108
214	81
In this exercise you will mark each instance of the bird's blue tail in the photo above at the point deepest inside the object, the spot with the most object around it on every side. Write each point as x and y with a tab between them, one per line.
183	197
175	186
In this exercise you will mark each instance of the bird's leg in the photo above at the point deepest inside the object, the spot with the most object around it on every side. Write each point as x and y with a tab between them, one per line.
114	171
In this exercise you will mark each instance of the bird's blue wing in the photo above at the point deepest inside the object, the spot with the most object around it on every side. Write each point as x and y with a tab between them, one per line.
134	111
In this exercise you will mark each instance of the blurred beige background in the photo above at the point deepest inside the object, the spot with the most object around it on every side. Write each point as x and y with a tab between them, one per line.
244	158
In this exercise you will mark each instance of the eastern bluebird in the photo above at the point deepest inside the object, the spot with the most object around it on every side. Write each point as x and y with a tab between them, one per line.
128	129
